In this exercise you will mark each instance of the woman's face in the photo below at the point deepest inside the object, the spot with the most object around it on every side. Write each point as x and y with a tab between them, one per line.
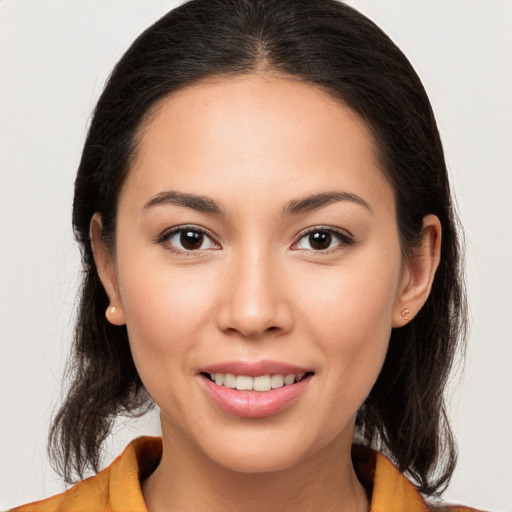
256	237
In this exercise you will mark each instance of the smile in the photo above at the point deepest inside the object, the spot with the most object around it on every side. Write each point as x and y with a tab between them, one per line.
255	390
261	383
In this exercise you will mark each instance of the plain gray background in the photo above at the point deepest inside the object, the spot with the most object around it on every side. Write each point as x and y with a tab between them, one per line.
54	58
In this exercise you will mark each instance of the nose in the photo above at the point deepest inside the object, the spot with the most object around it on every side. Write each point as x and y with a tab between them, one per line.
254	298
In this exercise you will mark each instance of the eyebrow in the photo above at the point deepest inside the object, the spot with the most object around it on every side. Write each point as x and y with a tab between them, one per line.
316	201
294	207
195	202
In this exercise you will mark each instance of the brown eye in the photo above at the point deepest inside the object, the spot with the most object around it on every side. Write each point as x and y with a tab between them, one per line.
189	240
318	240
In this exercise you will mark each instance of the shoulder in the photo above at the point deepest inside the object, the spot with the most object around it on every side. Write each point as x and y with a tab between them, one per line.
454	508
389	489
117	487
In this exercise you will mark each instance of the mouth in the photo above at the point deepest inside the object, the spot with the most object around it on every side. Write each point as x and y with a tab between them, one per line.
260	383
255	390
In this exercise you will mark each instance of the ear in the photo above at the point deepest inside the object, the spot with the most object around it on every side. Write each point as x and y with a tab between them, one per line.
105	264
418	274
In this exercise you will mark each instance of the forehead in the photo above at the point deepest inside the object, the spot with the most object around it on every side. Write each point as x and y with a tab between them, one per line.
270	132
260	103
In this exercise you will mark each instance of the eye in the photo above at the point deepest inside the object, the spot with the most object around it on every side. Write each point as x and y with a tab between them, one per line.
188	239
322	239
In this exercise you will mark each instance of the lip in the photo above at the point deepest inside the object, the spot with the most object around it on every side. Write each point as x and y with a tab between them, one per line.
254	404
254	369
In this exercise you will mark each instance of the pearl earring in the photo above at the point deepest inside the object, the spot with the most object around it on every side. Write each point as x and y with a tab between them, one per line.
110	311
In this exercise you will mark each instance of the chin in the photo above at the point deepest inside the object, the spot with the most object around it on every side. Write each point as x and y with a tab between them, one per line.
258	459
265	449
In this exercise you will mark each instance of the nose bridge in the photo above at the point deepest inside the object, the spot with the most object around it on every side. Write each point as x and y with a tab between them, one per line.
254	302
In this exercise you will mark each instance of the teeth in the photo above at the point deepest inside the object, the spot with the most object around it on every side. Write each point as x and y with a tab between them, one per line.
244	383
277	381
289	379
262	383
229	380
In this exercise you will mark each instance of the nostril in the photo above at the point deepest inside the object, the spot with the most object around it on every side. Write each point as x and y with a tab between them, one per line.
253	318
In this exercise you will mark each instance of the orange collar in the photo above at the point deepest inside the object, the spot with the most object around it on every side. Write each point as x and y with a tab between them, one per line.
117	488
387	488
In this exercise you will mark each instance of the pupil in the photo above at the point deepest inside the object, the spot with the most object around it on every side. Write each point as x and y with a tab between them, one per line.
320	240
191	240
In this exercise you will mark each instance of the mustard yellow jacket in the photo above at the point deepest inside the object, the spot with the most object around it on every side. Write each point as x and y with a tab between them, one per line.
118	487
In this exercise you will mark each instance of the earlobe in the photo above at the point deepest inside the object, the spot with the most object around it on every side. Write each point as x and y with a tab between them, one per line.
115	315
419	273
105	265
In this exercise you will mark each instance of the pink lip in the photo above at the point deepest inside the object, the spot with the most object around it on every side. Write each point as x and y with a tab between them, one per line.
254	404
254	369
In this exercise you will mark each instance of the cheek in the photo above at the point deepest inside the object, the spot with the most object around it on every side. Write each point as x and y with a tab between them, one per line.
165	312
355	299
349	313
165	308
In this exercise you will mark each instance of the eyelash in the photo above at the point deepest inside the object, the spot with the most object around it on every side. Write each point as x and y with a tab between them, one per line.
167	235
343	238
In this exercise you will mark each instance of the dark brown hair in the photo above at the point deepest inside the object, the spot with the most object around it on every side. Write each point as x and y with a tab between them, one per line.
330	45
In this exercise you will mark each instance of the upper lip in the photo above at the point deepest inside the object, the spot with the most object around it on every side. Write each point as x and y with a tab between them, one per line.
254	368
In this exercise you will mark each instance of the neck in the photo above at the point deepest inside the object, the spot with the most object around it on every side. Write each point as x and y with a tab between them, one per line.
187	480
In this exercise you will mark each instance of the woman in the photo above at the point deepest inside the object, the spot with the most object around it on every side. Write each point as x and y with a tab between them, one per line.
271	255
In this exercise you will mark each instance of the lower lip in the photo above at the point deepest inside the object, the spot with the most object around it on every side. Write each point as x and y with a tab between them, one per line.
255	404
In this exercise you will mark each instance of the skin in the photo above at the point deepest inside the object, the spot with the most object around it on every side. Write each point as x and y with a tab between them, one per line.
258	289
